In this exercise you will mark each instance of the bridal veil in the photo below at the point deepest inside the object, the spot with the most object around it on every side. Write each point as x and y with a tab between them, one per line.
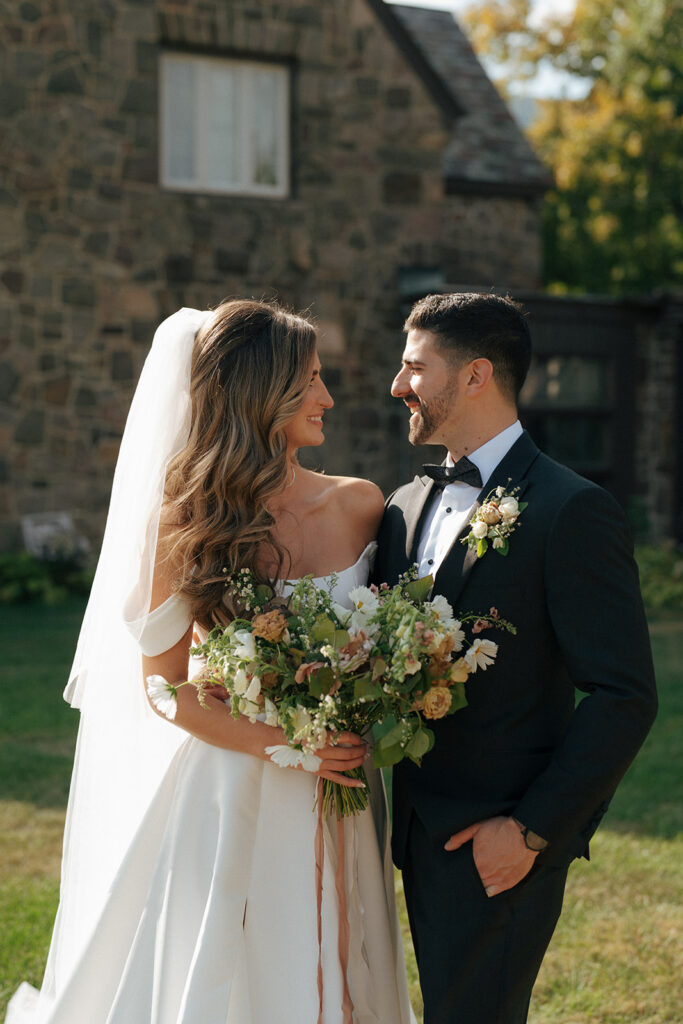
123	748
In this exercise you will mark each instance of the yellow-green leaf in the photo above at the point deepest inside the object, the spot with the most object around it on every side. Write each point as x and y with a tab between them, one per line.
323	630
418	590
379	668
341	638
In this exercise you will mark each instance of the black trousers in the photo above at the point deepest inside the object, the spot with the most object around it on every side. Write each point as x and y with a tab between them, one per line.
478	956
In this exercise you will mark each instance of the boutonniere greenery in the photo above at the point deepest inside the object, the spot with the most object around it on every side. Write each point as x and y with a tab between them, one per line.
494	521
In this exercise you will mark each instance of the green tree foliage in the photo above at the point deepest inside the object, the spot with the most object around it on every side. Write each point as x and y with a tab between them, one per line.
613	223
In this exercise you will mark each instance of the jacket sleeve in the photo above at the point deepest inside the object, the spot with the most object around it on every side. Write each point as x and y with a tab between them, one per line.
595	607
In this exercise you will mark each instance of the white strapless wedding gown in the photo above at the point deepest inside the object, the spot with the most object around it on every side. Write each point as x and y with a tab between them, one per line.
212	916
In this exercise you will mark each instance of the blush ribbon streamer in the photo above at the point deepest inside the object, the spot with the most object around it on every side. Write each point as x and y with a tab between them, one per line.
344	930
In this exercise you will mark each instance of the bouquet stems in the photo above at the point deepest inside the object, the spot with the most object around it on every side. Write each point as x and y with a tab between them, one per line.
345	800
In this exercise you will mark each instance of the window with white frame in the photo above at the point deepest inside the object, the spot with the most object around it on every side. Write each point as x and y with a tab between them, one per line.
224	125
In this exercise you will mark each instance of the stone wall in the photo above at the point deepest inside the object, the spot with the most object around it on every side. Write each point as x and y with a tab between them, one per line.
94	253
493	240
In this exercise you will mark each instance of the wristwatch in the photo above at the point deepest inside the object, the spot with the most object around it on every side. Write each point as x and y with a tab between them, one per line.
532	840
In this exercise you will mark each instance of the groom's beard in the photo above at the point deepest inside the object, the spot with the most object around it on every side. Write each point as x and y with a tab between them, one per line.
425	423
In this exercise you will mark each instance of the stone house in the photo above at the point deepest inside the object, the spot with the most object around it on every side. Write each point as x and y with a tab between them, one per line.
344	156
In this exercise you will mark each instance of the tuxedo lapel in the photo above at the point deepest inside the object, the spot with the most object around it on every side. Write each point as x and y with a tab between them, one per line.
415	510
512	469
510	472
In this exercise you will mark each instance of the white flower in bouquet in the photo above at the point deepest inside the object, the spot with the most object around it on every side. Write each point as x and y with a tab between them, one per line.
365	604
360	623
457	635
253	689
301	722
441	608
245	645
251	711
364	600
288	757
241	682
271	713
343	614
481	654
480	529
162	695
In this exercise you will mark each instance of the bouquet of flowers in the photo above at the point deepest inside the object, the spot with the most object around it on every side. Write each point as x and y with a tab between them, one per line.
315	668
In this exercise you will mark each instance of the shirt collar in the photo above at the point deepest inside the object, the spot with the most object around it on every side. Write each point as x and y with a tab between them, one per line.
487	457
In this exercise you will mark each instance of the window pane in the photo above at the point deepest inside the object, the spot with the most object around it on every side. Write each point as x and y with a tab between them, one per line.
223	118
567	382
179	100
578	441
224	125
266	128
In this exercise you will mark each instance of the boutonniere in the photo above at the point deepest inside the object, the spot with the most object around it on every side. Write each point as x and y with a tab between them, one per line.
494	521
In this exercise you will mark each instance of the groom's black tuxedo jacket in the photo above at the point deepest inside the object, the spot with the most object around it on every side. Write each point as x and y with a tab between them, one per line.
570	586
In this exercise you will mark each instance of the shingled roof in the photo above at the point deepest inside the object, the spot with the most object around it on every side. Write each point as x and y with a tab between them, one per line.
488	152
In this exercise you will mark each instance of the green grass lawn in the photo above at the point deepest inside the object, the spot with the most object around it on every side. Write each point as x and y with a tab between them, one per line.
616	955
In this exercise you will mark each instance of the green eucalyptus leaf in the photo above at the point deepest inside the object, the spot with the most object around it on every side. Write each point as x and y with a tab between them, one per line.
482	547
419	589
418	746
365	689
341	638
323	630
393	735
320	682
386	756
379	668
458	698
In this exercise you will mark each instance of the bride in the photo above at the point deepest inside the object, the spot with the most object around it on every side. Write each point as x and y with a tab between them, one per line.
189	889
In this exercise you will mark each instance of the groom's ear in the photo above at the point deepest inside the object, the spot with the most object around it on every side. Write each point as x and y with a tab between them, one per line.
478	376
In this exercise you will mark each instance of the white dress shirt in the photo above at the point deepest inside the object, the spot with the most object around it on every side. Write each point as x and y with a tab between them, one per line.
452	507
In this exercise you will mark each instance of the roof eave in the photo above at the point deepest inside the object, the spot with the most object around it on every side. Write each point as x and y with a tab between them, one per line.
435	85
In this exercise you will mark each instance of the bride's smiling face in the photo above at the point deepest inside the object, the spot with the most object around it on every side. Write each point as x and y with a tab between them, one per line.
306	428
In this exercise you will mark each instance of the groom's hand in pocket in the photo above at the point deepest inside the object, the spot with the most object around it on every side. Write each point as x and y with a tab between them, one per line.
500	854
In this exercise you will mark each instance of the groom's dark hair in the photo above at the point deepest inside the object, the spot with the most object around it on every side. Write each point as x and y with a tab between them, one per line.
470	326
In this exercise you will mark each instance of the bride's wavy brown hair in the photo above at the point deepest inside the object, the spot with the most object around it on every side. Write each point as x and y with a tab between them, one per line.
251	366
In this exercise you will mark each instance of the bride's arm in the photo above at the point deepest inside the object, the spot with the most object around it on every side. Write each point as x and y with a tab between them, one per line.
216	724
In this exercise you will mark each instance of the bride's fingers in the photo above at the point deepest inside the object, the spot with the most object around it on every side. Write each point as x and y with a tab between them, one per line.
338	765
216	691
349	739
329	764
343	754
343	780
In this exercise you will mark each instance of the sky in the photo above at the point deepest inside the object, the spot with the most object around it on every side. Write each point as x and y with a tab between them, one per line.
548	82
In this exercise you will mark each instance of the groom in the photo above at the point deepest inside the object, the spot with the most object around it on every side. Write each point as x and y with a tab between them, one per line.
517	781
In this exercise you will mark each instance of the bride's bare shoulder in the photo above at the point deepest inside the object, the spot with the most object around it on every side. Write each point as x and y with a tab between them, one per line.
359	501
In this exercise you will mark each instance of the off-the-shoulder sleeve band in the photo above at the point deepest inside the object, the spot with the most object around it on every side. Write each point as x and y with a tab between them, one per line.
165	626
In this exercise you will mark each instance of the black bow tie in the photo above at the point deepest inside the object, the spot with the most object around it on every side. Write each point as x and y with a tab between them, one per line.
463	470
